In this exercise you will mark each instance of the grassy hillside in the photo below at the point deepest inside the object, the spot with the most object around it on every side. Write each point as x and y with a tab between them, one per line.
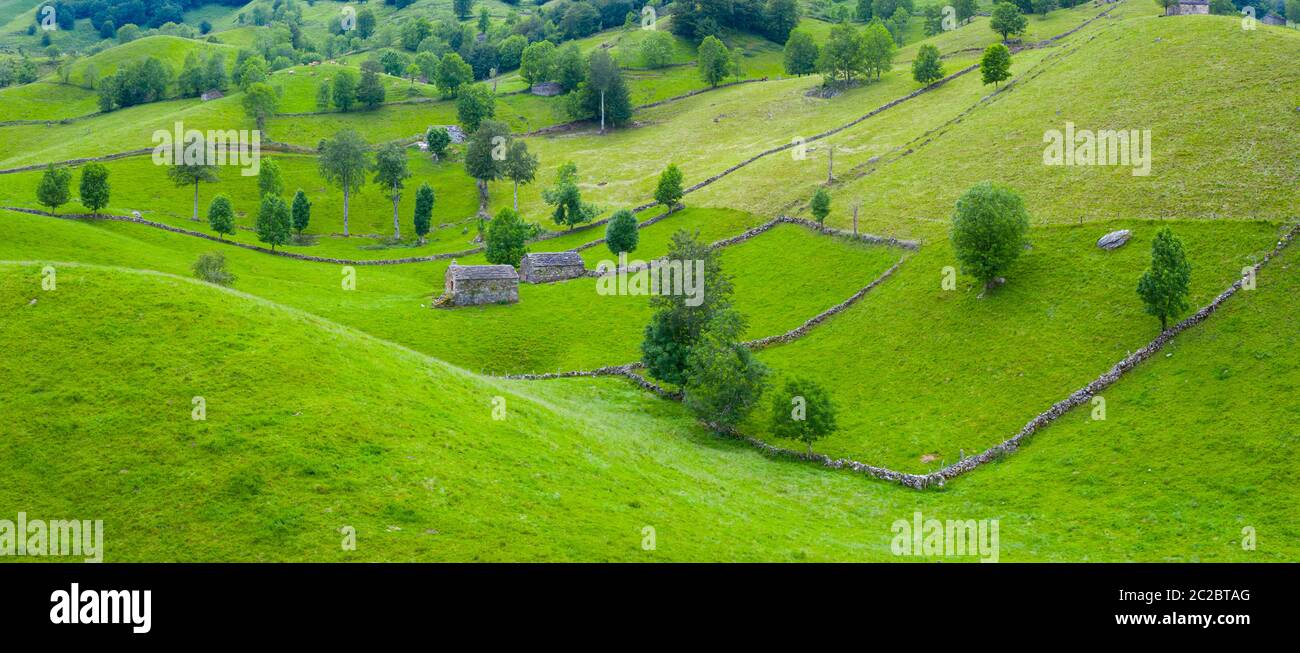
395	434
571	473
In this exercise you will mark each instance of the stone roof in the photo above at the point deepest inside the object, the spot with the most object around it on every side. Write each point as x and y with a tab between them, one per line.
1193	2
460	272
548	259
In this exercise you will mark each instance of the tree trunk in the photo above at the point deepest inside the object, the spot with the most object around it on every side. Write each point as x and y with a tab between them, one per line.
516	197
602	111
196	201
482	197
345	211
397	228
810	450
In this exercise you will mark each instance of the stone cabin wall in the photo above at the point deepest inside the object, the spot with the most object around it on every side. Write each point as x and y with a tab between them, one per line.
472	292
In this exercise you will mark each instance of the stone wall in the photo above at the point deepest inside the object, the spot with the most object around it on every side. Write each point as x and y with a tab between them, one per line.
476	292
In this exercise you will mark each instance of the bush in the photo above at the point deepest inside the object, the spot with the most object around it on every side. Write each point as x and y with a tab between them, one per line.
211	267
621	234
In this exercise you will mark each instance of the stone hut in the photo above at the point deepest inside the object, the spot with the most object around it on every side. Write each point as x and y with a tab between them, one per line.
211	94
545	89
472	285
545	267
551	266
1188	8
1273	19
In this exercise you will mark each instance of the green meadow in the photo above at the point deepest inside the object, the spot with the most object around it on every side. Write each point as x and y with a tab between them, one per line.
326	407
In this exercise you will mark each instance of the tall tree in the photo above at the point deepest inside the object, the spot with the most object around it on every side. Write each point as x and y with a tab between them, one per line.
453	73
669	190
185	174
680	319
1165	285
424	199
221	216
988	230
538	63
53	190
1007	20
845	53
878	48
485	156
301	210
370	90
926	67
270	181
995	65
714	61
345	90
344	161
94	188
391	174
520	167
273	221
260	101
724	380
566	197
506	238
801	54
820	205
780	17
476	104
602	74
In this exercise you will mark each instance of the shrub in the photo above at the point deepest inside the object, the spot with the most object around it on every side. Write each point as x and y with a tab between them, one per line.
211	267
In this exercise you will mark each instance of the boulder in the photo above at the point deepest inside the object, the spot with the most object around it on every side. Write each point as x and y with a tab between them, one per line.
1114	239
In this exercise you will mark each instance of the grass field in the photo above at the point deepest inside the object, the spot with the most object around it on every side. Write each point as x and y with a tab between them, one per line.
276	476
393	432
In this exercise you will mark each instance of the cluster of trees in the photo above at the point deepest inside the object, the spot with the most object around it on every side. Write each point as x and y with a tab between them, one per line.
347	90
698	348
849	52
202	72
137	82
22	71
594	84
54	188
700	19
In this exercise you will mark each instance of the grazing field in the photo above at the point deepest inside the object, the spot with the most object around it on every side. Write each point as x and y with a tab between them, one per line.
334	394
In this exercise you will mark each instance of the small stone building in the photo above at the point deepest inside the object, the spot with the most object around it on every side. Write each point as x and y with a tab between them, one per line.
546	89
545	267
472	285
1273	19
1188	8
211	94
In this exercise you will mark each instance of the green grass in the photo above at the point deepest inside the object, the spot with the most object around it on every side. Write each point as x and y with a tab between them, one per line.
414	462
923	371
392	439
554	326
46	101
